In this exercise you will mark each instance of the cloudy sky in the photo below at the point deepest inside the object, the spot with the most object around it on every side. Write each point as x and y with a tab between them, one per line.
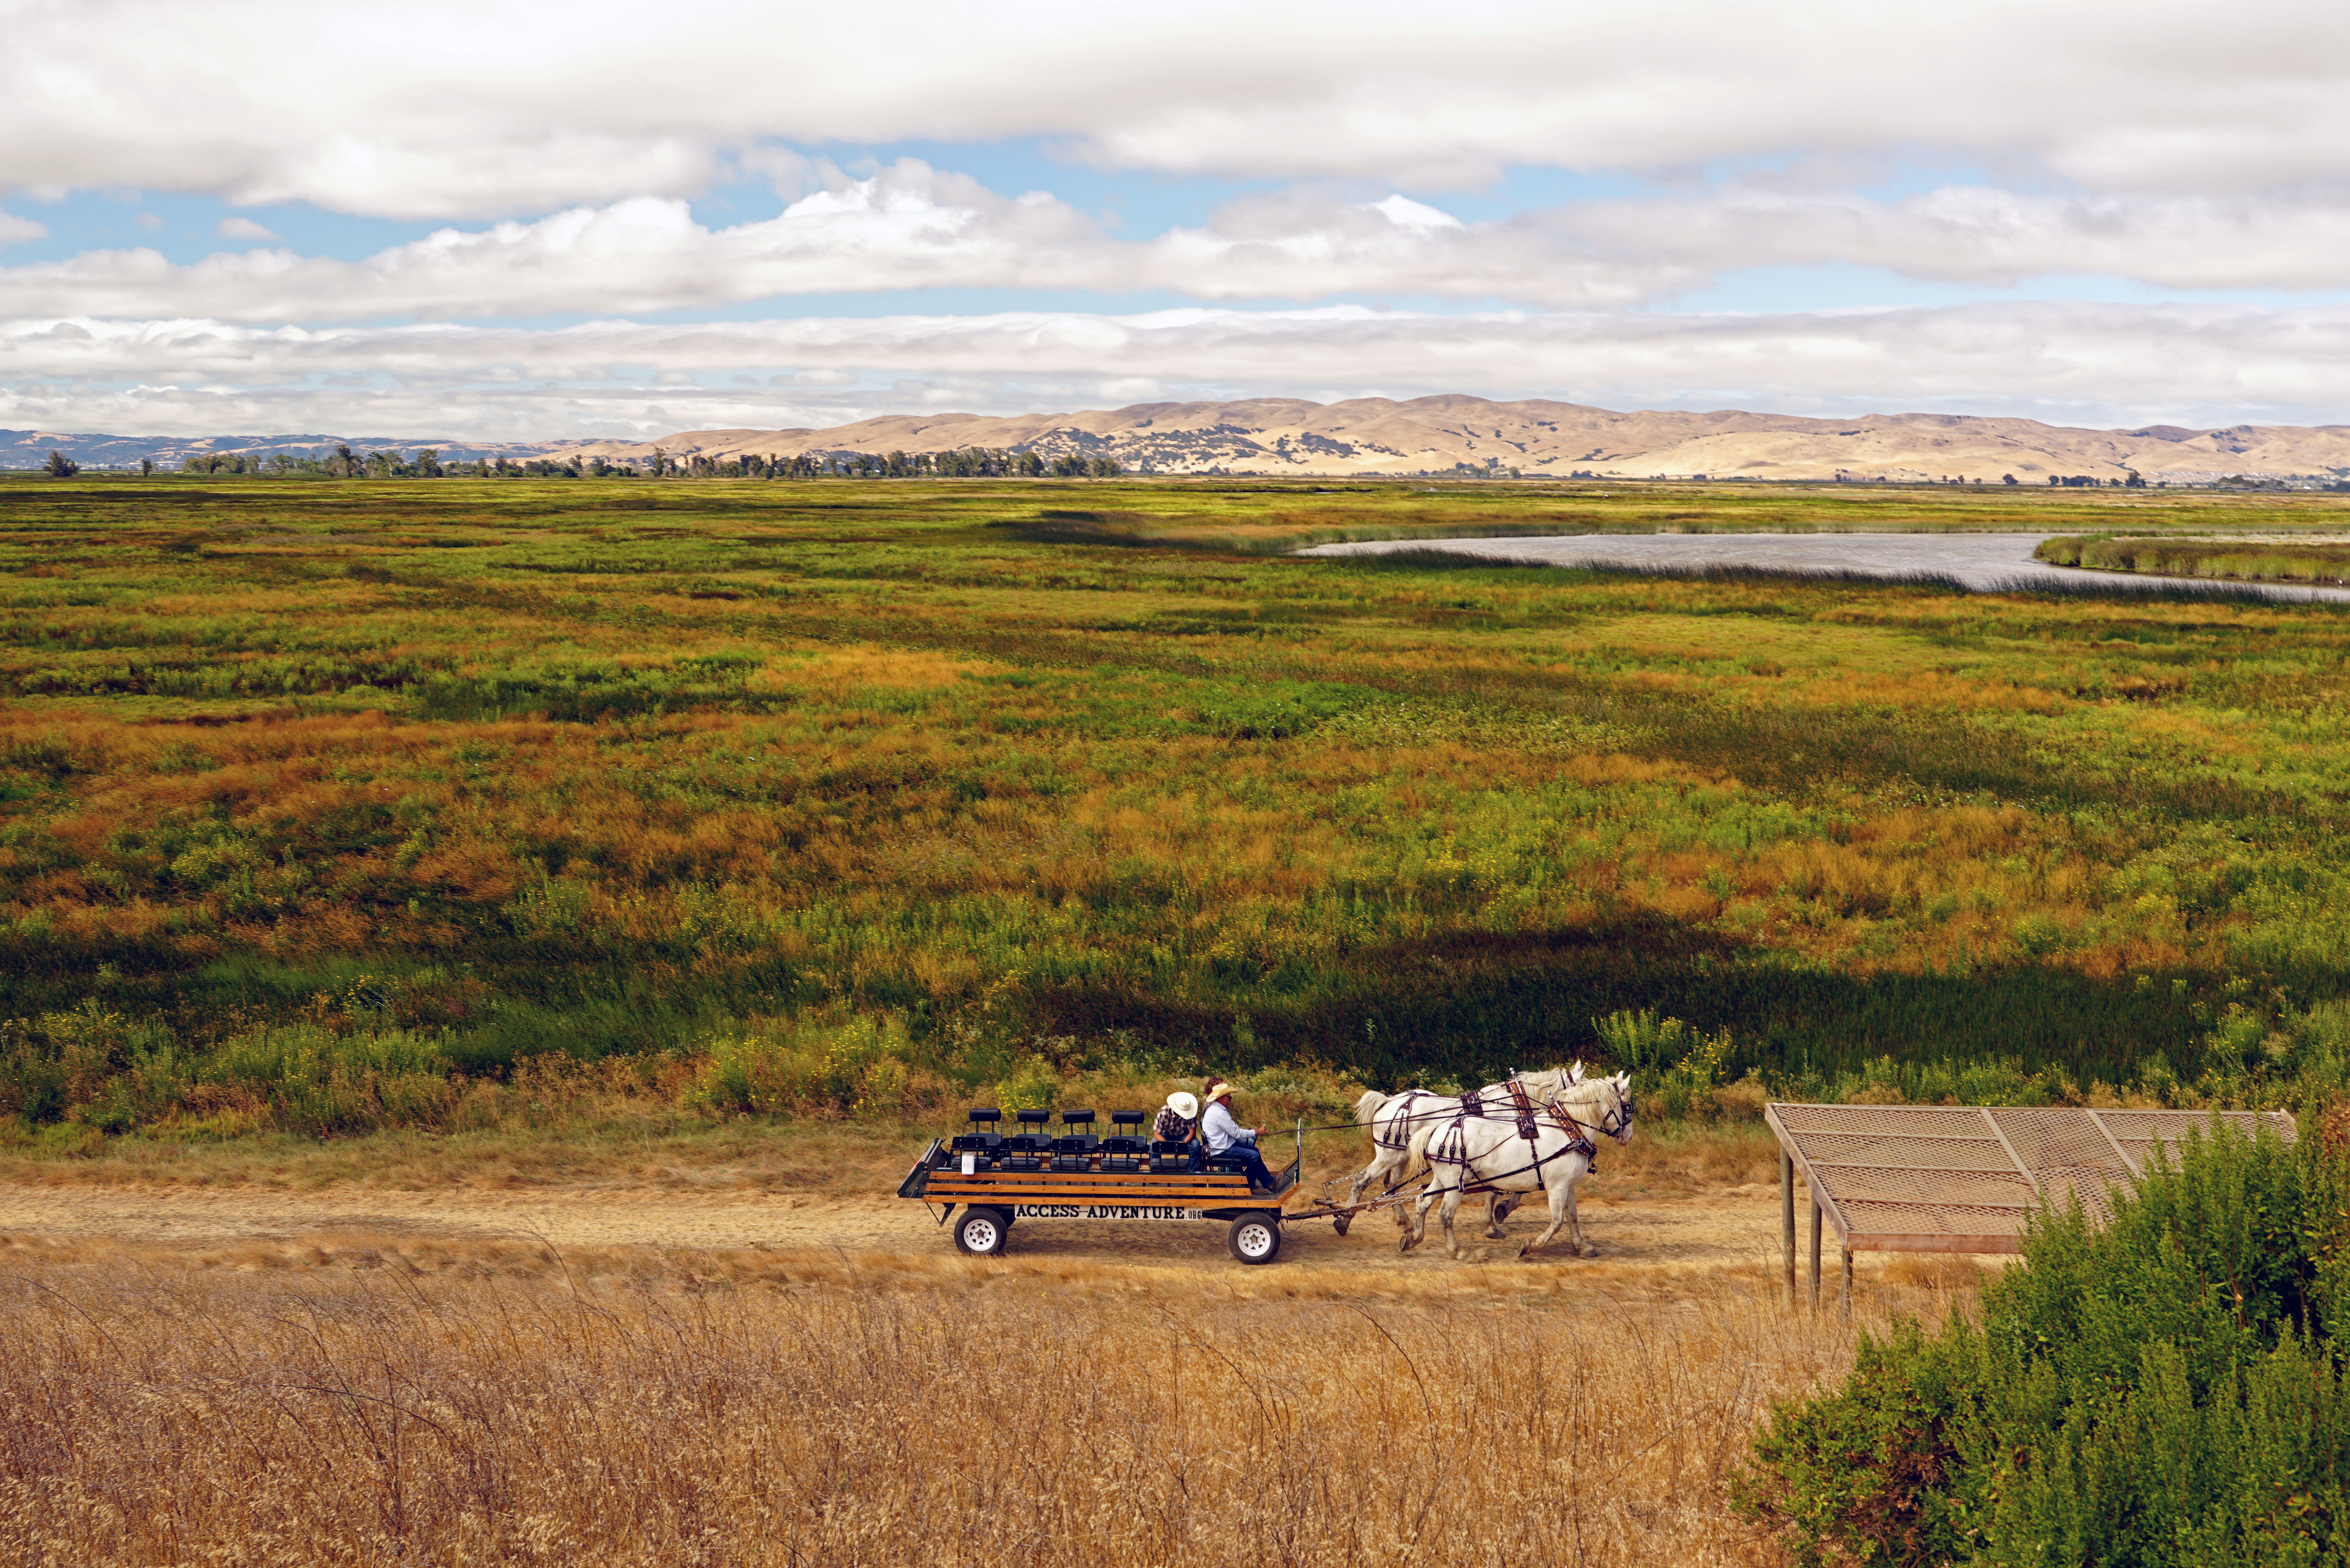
531	221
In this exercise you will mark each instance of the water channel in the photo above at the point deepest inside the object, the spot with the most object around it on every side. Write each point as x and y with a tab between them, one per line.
1985	562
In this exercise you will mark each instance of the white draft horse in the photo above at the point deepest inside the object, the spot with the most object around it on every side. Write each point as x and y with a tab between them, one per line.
1392	1119
1551	1149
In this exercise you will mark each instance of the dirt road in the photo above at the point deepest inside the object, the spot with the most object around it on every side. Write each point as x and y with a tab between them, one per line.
1736	1229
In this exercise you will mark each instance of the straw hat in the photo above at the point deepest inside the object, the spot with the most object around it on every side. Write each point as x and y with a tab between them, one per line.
1217	1089
1183	1105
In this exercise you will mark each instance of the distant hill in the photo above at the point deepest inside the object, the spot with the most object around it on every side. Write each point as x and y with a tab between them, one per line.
1447	434
30	449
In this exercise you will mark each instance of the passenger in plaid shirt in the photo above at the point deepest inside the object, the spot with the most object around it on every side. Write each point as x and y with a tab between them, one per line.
1174	1123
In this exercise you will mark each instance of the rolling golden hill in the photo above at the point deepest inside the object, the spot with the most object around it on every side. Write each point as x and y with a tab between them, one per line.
1447	434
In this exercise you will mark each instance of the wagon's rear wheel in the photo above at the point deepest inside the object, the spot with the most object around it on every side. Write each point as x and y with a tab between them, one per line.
1256	1238
982	1233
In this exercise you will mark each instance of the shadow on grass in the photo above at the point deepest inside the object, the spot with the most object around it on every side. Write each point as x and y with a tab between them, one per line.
1472	1005
1125	530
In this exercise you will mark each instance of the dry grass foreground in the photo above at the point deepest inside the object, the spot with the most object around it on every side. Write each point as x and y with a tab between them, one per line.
521	1406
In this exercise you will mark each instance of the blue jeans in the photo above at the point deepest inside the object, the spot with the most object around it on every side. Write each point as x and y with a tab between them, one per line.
1254	1168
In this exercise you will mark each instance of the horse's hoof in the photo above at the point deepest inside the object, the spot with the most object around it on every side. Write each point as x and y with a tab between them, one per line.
1341	1223
1495	1234
1404	1242
1586	1250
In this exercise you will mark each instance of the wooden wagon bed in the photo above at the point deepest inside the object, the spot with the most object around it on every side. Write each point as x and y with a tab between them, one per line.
992	1199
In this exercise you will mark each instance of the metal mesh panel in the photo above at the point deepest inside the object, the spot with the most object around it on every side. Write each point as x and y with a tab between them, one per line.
1898	1121
2138	1131
2059	1141
1957	1220
2091	1189
1984	1153
1969	1177
1908	1184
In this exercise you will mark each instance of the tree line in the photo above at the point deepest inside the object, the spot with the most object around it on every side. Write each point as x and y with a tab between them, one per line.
343	462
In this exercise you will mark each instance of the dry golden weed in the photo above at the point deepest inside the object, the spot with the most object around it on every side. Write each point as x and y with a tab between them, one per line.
348	1399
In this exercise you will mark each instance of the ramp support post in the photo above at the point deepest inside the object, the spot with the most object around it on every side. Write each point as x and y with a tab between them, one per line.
1816	1252
1847	1285
1787	1221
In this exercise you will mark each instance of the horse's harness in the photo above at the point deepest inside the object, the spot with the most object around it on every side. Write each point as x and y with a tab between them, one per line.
1455	1139
1397	1134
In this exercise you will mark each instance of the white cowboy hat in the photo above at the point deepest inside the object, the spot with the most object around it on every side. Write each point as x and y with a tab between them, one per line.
1183	1105
1217	1089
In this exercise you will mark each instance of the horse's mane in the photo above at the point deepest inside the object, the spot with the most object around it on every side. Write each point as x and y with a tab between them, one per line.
1549	1081
1590	1092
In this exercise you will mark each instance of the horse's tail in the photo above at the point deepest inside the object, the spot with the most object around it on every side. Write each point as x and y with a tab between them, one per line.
1367	1109
1416	1152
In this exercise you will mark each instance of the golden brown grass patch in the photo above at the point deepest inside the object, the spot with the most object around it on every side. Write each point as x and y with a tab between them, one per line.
342	1401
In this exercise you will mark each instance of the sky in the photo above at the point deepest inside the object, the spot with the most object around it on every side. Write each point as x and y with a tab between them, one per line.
495	220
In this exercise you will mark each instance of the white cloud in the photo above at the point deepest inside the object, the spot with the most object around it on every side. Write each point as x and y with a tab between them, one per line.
909	227
233	227
496	106
2199	365
1406	213
1982	235
15	230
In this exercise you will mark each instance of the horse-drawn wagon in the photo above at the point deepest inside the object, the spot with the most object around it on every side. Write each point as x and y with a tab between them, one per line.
1535	1133
998	1179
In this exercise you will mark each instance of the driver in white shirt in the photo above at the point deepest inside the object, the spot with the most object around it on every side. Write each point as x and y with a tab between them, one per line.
1226	1135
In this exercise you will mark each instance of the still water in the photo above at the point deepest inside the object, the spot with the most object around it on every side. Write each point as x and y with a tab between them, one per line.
1987	561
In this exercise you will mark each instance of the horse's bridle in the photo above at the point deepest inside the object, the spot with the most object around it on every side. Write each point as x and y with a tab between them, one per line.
1618	1123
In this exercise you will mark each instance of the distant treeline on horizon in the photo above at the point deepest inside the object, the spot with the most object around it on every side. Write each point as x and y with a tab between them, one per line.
342	461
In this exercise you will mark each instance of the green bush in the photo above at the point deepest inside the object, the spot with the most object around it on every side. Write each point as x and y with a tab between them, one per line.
304	1078
860	1067
1989	1082
1676	1063
92	1063
99	1070
2162	1389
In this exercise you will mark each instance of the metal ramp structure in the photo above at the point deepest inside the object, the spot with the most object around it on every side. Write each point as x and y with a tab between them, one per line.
1962	1178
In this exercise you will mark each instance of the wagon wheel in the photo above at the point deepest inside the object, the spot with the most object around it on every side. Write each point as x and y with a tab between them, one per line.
982	1233
1256	1238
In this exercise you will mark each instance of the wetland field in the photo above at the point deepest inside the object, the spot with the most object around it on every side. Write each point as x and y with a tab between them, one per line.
327	807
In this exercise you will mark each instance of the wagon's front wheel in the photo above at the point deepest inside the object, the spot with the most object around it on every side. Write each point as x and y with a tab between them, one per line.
1256	1238
982	1233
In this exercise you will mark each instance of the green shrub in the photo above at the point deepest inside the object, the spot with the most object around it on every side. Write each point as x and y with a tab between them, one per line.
2161	1389
1031	1086
1989	1082
306	1078
861	1068
96	1069
34	1083
90	1062
1674	1062
1870	1472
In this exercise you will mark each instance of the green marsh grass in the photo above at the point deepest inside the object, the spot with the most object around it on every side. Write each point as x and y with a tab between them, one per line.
1009	774
2277	560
